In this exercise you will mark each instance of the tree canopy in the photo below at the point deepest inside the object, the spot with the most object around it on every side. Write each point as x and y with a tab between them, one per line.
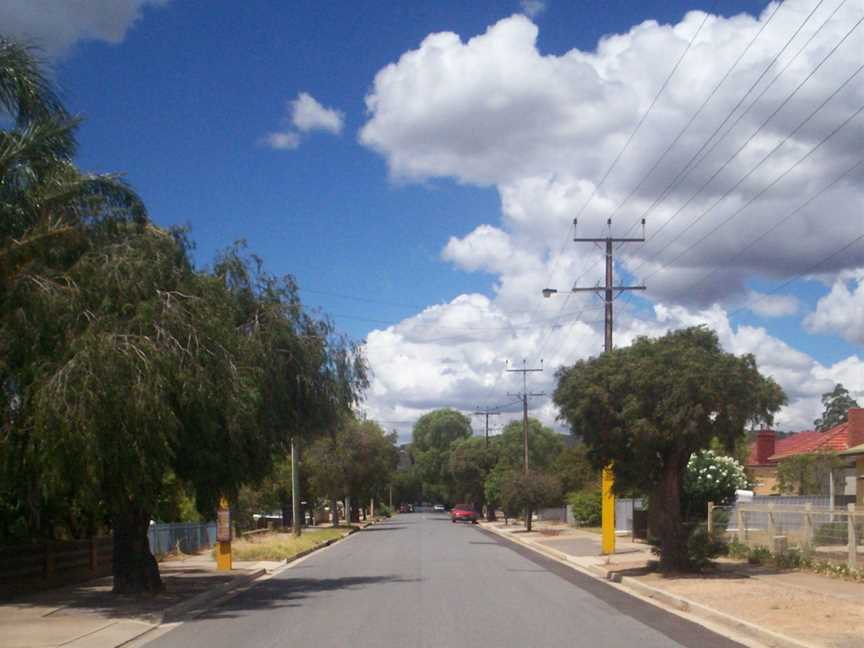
124	370
648	407
836	405
431	439
544	444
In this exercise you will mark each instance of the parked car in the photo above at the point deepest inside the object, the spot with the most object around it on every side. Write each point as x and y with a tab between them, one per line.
438	507
463	513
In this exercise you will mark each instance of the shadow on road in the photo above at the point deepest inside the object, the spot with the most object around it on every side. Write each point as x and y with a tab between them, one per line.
389	527
289	592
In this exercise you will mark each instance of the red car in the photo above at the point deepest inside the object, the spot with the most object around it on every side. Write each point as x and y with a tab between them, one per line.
463	513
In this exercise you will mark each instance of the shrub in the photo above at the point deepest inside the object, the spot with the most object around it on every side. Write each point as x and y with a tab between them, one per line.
759	555
792	558
383	510
701	548
735	549
586	506
710	478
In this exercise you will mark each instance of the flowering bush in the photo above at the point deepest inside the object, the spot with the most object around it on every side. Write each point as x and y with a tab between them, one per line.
711	478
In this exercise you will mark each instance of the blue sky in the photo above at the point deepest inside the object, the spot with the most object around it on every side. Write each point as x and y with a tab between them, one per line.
449	179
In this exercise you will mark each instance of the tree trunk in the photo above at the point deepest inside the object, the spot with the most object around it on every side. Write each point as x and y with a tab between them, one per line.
490	512
334	512
135	569
286	515
666	518
528	519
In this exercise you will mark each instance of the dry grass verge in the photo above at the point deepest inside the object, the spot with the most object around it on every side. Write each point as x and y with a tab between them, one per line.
281	546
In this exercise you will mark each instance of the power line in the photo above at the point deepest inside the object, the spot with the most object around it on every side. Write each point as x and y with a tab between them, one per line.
798	276
686	170
785	218
708	99
764	90
638	125
758	194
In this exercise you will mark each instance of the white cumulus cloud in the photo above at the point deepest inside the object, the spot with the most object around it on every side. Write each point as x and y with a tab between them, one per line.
841	311
304	114
532	8
771	305
56	25
285	141
754	187
307	115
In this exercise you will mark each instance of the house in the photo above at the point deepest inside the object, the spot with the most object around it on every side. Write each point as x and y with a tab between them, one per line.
768	451
856	455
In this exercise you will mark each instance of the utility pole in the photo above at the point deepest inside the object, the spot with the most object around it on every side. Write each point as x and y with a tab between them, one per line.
610	292
524	396
295	487
487	413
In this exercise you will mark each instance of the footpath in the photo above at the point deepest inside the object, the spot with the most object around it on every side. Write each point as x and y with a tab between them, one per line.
755	605
90	615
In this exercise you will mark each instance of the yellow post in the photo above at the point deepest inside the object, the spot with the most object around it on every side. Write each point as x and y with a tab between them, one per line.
223	536
608	512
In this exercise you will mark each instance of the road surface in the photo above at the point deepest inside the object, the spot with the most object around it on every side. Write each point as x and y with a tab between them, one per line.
420	581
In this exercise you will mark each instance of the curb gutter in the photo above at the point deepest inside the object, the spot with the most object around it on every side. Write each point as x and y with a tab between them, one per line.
174	612
664	599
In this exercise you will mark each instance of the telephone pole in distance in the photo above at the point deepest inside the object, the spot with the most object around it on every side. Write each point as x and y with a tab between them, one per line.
524	396
487	413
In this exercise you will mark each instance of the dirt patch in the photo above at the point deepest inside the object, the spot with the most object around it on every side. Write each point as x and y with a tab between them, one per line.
796	612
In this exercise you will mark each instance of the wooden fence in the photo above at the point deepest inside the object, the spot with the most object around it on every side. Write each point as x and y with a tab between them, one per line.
49	564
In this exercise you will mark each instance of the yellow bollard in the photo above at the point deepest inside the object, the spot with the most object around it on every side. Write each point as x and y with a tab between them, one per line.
223	536
608	512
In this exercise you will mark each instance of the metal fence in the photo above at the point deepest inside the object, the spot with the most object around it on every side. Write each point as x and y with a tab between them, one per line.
824	532
186	537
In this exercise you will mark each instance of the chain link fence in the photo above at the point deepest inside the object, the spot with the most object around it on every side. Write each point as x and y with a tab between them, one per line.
185	537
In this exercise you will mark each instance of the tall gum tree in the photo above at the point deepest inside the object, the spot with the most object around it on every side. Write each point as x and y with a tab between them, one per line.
647	407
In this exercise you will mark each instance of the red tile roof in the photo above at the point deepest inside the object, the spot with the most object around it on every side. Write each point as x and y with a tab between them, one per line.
833	440
786	445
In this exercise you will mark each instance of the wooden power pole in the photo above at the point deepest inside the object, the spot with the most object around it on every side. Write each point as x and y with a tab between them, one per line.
610	292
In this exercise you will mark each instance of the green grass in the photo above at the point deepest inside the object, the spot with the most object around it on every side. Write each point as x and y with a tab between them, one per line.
279	546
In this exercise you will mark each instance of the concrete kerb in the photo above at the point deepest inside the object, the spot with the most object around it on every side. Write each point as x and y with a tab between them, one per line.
662	598
174	613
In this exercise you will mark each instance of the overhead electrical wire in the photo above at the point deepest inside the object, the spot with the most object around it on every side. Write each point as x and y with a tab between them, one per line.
708	99
753	170
759	129
809	271
777	224
637	127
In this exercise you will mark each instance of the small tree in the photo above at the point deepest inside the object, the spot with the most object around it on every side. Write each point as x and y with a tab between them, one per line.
586	505
837	404
521	492
646	408
544	444
471	461
809	474
574	469
431	439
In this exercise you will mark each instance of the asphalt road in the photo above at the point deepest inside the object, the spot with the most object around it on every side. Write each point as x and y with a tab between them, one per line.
420	581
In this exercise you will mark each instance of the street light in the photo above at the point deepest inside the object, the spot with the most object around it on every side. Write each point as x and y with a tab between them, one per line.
548	292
